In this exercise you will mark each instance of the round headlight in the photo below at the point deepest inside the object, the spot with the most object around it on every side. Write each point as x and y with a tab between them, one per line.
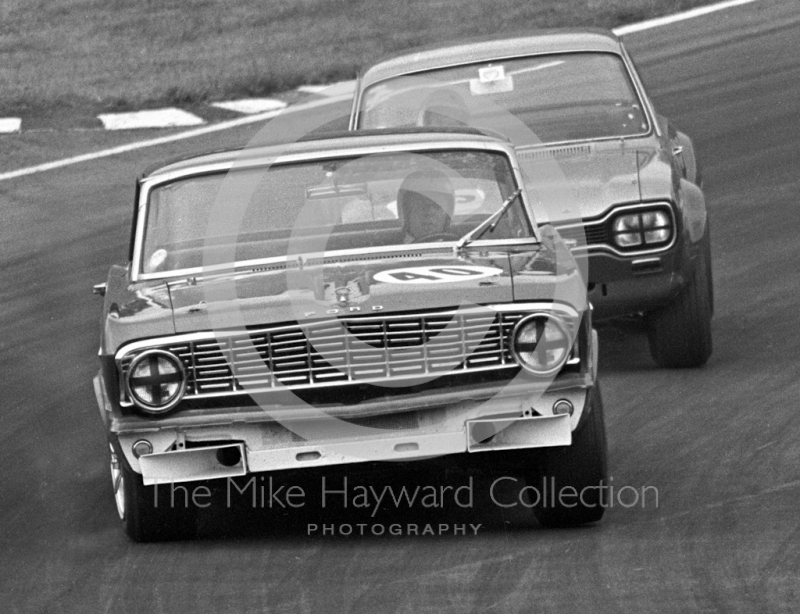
541	344
156	381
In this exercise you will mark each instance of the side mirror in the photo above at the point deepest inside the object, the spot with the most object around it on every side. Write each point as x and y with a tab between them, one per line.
99	289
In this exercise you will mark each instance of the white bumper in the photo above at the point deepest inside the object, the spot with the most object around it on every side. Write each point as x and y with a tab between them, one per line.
480	435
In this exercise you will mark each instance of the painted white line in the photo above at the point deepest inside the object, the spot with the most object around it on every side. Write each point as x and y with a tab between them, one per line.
189	134
10	124
668	19
249	106
155	118
334	89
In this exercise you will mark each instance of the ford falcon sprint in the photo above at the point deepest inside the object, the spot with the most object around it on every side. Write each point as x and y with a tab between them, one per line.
634	178
365	297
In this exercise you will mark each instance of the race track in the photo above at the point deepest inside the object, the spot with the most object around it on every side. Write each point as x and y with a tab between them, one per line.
721	444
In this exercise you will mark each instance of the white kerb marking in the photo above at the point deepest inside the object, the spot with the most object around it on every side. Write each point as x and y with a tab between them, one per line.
155	118
248	106
10	124
189	134
668	19
311	89
334	89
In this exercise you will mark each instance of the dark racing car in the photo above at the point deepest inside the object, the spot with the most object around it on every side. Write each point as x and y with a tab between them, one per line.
636	208
366	297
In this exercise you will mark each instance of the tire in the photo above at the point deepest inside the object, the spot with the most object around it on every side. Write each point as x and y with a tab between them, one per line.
709	273
582	466
680	334
142	519
689	159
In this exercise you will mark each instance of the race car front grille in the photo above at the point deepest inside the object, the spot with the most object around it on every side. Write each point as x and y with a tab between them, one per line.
589	234
355	350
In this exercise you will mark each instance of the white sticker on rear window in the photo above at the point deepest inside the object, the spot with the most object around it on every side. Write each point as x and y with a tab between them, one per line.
487	74
491	80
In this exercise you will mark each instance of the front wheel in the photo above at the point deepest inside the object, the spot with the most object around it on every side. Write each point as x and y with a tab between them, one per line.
680	334
148	514
570	480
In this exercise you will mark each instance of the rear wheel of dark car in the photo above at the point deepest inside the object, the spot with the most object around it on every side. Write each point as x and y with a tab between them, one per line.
570	480
149	515
680	334
709	274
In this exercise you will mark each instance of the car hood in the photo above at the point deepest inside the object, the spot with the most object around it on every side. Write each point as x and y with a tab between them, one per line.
360	285
579	182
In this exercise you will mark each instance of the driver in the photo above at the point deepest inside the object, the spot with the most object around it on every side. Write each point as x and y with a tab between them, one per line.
425	203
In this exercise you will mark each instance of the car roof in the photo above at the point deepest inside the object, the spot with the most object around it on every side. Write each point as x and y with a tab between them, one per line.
485	49
333	142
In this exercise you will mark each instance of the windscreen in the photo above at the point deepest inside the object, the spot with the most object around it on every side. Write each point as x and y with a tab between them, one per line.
374	201
560	97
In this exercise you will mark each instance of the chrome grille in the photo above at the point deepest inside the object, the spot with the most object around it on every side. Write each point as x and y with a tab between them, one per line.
360	349
592	233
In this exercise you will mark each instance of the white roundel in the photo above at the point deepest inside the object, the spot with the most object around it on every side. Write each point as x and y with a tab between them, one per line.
440	274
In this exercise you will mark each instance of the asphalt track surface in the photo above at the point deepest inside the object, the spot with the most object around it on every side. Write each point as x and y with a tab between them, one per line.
721	444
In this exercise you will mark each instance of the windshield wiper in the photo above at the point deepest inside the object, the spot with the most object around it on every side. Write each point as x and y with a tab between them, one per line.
490	223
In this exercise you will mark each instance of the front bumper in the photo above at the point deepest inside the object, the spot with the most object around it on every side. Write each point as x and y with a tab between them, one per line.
210	462
624	285
183	453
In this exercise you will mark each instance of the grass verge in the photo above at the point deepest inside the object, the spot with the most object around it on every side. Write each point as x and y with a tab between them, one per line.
131	54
